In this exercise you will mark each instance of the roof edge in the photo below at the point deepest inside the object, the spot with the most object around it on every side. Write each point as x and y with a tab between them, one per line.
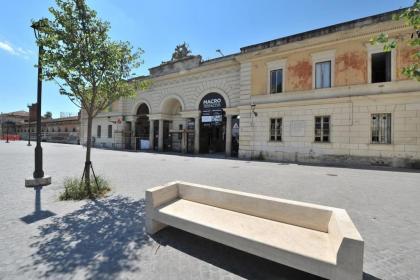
322	31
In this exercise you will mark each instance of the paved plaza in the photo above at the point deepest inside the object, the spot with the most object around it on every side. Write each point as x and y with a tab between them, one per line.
105	239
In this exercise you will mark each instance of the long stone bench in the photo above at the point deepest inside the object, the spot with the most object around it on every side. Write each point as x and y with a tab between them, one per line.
317	239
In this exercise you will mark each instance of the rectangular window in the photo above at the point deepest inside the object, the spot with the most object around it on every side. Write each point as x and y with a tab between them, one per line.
276	81
381	128
323	74
322	129
381	67
110	131
275	129
98	132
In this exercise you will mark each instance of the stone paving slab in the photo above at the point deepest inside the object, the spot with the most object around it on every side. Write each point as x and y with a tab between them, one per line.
105	239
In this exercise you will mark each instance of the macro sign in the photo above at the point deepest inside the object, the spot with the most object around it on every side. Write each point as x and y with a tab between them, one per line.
211	107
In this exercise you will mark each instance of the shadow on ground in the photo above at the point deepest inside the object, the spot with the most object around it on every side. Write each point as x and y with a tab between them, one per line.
36	216
100	239
237	262
105	237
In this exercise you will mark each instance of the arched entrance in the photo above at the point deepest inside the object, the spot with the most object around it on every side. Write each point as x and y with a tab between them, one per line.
212	123
173	125
142	127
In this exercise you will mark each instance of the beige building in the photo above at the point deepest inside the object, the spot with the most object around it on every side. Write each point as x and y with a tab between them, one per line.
322	96
58	130
9	122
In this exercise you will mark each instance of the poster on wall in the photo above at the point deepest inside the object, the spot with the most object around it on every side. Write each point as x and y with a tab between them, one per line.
211	107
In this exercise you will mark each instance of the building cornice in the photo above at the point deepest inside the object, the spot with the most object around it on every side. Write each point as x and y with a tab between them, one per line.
377	89
198	70
326	41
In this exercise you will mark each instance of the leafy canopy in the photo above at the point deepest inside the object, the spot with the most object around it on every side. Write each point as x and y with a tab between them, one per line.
90	68
412	18
48	115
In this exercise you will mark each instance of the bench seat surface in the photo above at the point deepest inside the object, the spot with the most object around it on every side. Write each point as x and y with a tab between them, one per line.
306	242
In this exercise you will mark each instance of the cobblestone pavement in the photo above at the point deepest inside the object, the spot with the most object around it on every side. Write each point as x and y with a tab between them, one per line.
105	239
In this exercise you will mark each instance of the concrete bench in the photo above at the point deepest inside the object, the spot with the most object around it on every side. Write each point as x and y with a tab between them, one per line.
317	239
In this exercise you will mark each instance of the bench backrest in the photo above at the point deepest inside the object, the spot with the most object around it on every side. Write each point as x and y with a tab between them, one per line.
285	211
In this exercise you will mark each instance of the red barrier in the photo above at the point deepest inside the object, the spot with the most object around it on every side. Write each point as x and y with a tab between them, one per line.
11	137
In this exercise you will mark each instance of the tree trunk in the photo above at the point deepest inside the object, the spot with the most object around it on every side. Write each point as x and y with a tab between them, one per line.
88	148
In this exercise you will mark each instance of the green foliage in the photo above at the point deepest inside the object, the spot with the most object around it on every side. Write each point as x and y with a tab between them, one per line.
75	189
90	68
412	18
48	115
181	51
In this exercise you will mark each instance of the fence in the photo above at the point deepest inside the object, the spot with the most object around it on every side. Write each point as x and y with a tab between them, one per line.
10	137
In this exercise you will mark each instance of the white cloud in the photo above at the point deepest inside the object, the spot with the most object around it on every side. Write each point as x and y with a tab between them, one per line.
6	46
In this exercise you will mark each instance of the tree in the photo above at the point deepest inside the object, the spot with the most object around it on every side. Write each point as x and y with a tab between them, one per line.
412	17
90	68
48	115
181	51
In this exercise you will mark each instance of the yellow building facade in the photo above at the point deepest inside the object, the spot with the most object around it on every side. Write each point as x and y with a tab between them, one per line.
368	121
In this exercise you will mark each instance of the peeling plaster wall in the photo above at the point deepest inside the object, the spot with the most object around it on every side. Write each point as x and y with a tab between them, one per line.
404	57
351	63
299	72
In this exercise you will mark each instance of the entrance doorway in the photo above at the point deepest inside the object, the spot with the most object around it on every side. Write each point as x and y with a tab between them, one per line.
167	136
235	136
212	124
142	127
212	138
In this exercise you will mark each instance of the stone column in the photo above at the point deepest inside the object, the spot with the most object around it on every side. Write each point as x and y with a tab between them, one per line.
160	139
184	142
133	135
197	135
228	146
151	134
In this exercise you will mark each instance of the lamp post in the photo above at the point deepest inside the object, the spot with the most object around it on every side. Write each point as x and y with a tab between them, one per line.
7	132
253	106
29	126
38	180
38	173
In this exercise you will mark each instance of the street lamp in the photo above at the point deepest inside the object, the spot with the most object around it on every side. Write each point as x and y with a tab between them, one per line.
253	106
29	126
38	180
7	132
38	173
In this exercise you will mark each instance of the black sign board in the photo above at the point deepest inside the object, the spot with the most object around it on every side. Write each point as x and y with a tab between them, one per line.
211	107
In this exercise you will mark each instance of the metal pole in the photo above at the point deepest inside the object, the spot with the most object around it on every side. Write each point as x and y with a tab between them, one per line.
29	127
7	132
2	125
39	173
38	199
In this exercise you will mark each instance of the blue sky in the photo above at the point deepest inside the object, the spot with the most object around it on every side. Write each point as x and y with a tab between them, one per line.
157	26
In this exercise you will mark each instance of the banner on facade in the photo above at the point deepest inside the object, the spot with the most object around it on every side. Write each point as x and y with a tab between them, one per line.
211	107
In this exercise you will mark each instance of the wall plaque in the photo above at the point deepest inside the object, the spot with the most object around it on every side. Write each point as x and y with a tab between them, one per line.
297	128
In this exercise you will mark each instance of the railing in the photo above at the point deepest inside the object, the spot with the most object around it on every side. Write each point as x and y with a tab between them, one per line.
10	137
